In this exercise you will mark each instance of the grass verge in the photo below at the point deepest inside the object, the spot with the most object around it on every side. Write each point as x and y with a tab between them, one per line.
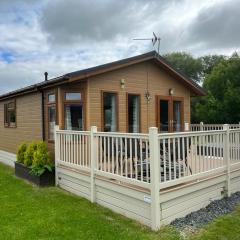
28	212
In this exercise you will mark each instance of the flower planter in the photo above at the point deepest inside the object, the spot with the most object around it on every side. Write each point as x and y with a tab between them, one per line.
46	179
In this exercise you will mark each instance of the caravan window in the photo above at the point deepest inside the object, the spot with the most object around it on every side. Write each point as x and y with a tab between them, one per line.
73	96
109	112
51	107
74	117
133	113
73	111
51	122
51	98
10	114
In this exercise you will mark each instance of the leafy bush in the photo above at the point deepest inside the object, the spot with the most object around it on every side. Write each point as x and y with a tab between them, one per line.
41	160
36	156
21	152
28	156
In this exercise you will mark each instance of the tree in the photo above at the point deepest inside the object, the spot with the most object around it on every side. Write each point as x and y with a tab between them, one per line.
186	63
195	68
220	77
209	62
222	105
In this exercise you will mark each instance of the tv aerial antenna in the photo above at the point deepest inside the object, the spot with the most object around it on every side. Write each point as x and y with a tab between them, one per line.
154	40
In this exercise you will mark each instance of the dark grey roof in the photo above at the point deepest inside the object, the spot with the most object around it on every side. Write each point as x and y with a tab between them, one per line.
33	87
108	67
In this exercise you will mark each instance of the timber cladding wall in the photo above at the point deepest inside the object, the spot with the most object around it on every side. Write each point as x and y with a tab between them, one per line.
29	123
138	78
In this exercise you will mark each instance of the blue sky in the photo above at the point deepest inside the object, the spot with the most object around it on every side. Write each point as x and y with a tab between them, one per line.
62	36
7	56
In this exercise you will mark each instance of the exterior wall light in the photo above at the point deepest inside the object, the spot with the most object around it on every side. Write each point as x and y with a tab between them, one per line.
148	96
171	91
122	83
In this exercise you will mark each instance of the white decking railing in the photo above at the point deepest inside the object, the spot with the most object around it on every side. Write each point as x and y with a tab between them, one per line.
127	157
152	161
210	127
191	155
123	154
73	149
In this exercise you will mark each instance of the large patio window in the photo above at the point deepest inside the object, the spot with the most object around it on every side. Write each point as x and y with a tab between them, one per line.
109	112
133	113
73	111
177	124
10	114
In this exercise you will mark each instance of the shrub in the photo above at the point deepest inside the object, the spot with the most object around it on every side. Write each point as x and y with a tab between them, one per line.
41	160
20	153
36	156
28	156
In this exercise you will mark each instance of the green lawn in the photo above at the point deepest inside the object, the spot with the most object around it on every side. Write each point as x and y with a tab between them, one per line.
223	228
27	212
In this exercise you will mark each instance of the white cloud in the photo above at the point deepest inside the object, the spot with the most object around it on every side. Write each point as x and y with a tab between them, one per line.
63	36
74	21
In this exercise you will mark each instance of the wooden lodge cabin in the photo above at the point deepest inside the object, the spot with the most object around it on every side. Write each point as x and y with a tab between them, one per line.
129	95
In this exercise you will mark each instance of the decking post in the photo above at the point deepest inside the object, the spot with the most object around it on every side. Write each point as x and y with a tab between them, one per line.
93	157
201	126
226	156
186	127
155	178
56	152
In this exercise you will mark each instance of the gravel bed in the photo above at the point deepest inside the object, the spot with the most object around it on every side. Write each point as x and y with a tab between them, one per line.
205	215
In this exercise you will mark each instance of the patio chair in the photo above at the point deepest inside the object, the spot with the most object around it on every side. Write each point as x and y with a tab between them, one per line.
180	155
